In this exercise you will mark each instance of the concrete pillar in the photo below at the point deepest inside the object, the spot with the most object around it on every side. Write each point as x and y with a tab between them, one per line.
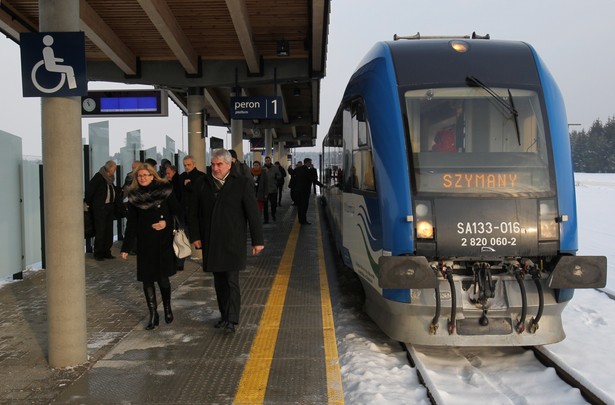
282	154
196	140
276	151
237	137
268	143
62	154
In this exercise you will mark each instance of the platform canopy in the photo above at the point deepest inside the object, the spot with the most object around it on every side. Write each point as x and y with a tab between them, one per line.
217	48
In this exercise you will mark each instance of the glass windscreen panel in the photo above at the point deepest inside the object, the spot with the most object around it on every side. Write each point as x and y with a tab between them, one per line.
467	141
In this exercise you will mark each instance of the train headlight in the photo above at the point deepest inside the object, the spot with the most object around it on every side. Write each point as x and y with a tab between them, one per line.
424	230
549	228
424	220
460	46
422	210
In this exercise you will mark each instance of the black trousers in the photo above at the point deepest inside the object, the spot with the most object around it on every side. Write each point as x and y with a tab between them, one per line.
228	294
103	226
271	199
280	189
303	201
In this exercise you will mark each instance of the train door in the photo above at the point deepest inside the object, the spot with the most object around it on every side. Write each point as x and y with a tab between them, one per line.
333	177
360	212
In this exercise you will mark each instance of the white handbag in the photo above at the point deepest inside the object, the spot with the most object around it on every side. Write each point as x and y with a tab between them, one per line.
181	243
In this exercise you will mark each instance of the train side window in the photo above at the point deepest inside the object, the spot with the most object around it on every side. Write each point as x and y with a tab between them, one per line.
347	131
359	120
332	154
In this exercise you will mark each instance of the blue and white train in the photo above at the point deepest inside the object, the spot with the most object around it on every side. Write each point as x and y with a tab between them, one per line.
450	192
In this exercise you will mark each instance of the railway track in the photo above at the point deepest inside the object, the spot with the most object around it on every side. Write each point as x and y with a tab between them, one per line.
498	375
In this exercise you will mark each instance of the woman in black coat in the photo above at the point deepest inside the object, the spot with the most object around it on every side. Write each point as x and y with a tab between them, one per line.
151	208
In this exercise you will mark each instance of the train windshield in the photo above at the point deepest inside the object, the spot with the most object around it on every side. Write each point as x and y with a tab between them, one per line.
473	141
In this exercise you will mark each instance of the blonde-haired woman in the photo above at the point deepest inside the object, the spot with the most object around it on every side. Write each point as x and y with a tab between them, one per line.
151	209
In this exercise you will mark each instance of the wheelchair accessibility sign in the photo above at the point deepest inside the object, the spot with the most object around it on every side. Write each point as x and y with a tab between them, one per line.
53	64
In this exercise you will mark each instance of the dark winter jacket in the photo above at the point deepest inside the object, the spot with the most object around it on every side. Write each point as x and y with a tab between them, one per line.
146	206
220	222
303	179
186	196
96	191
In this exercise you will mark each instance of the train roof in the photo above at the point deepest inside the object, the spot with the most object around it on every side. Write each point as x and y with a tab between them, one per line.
420	62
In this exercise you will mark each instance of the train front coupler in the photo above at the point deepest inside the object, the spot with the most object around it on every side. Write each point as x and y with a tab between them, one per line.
484	288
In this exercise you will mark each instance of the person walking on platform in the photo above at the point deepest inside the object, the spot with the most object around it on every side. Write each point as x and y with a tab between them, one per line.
130	175
305	178
224	207
100	195
127	183
173	177
239	167
280	182
151	208
273	174
291	183
260	184
187	179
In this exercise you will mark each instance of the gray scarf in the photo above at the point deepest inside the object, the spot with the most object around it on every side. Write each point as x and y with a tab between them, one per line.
109	179
110	189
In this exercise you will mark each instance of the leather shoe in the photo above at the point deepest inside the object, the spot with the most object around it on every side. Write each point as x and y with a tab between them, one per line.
229	328
109	256
220	324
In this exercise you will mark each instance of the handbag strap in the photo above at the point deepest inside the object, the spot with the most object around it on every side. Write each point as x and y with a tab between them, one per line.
176	224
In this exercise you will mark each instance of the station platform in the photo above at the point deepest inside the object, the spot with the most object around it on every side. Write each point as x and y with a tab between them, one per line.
283	351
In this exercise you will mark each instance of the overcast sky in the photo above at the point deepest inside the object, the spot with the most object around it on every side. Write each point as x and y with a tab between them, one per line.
574	39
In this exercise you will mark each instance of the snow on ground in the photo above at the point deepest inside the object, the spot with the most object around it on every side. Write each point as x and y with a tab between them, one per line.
375	369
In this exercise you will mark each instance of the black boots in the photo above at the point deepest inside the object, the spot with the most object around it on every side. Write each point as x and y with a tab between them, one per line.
150	297
166	303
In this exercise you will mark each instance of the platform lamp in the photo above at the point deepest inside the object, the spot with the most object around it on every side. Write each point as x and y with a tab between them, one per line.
283	48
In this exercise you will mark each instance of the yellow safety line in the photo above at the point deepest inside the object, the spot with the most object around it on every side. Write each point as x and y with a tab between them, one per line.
335	391
253	384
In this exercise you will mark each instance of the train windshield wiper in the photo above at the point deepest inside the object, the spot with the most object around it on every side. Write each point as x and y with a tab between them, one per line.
473	81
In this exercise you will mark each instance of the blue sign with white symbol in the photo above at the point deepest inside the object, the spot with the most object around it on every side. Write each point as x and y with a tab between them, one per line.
53	64
256	108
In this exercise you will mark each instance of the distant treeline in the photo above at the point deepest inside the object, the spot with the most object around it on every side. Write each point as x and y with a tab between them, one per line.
594	151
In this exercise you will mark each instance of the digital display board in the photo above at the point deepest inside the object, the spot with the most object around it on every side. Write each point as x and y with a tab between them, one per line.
130	104
125	103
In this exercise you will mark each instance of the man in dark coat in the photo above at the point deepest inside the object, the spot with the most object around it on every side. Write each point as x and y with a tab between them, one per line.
223	206
239	167
187	180
280	182
304	177
100	195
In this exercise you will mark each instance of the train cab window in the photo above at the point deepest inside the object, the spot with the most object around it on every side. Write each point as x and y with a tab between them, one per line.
363	171
488	148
